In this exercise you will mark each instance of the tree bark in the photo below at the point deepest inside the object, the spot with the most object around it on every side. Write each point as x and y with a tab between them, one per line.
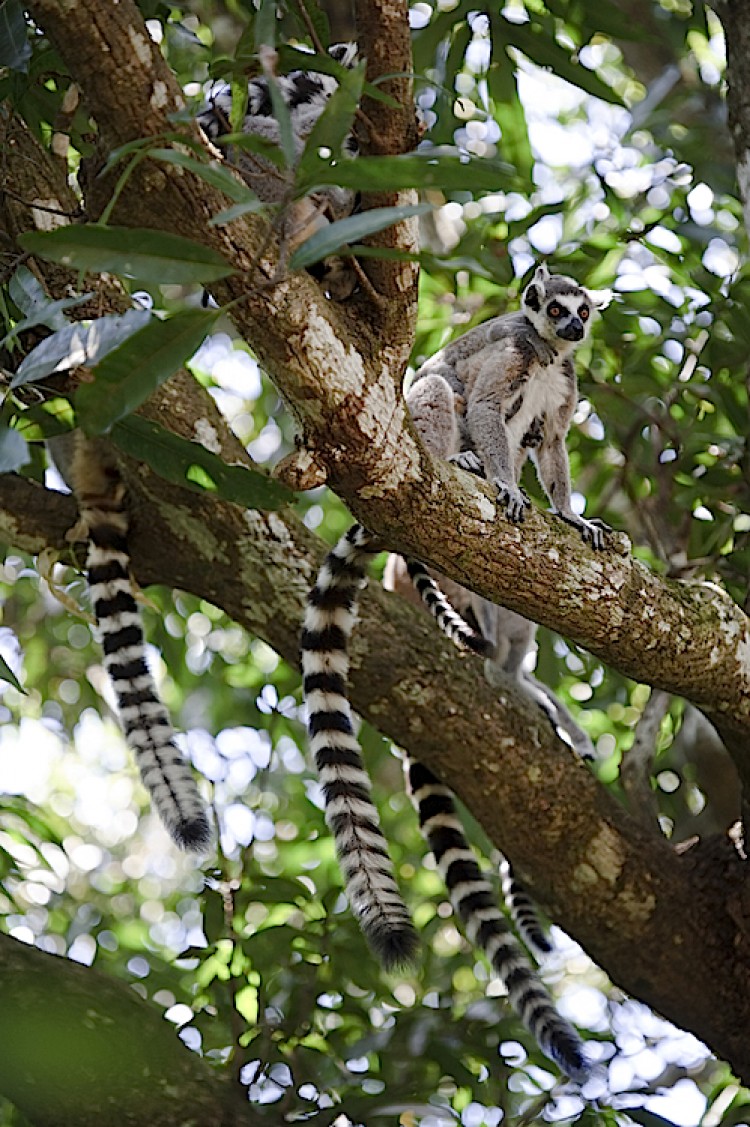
735	19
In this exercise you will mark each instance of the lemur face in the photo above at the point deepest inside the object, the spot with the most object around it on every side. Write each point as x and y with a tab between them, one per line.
557	307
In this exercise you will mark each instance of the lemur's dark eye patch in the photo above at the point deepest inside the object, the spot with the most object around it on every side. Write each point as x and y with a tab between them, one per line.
554	310
584	312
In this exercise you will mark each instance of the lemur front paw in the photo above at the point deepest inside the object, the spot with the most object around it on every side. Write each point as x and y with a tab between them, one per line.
514	499
593	532
469	461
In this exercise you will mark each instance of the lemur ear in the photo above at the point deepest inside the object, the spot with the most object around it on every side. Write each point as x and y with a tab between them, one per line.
534	292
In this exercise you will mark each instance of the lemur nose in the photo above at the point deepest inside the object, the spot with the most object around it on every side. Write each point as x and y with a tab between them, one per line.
572	330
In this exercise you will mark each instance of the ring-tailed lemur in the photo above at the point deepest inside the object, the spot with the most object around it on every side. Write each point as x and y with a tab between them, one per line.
501	392
513	380
523	911
90	469
305	94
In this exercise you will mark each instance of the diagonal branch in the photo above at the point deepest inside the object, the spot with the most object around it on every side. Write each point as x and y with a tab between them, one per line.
648	916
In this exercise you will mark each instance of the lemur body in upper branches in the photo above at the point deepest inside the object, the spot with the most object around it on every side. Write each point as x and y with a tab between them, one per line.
305	94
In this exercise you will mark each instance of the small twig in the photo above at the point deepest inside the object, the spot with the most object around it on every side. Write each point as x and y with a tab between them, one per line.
10	270
315	39
33	205
534	1111
635	772
364	281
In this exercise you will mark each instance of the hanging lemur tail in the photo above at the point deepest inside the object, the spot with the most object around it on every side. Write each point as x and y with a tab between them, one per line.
447	618
361	847
523	911
145	720
474	903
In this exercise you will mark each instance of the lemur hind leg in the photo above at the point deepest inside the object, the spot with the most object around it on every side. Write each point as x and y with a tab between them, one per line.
513	638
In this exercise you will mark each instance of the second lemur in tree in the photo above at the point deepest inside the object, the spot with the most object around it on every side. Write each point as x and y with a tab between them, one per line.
500	393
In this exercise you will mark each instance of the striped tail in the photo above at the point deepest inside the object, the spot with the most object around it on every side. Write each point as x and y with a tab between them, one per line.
447	618
523	911
361	847
145	720
474	903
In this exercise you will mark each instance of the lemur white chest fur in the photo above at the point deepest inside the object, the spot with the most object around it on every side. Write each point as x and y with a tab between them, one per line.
545	393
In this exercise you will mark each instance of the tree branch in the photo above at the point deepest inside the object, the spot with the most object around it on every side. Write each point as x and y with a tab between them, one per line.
339	383
735	18
80	1047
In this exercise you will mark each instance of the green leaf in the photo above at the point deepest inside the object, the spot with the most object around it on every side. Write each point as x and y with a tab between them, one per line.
79	344
283	120
140	145
429	169
31	299
7	674
265	24
131	372
213	174
14	450
336	235
172	457
649	1118
231	213
507	106
15	49
335	123
149	255
265	148
26	290
238	86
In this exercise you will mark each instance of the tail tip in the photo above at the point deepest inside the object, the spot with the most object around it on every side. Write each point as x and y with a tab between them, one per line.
573	1061
192	834
394	947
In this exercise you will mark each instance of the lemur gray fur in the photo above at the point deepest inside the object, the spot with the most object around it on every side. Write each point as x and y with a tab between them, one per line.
305	94
502	391
90	469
